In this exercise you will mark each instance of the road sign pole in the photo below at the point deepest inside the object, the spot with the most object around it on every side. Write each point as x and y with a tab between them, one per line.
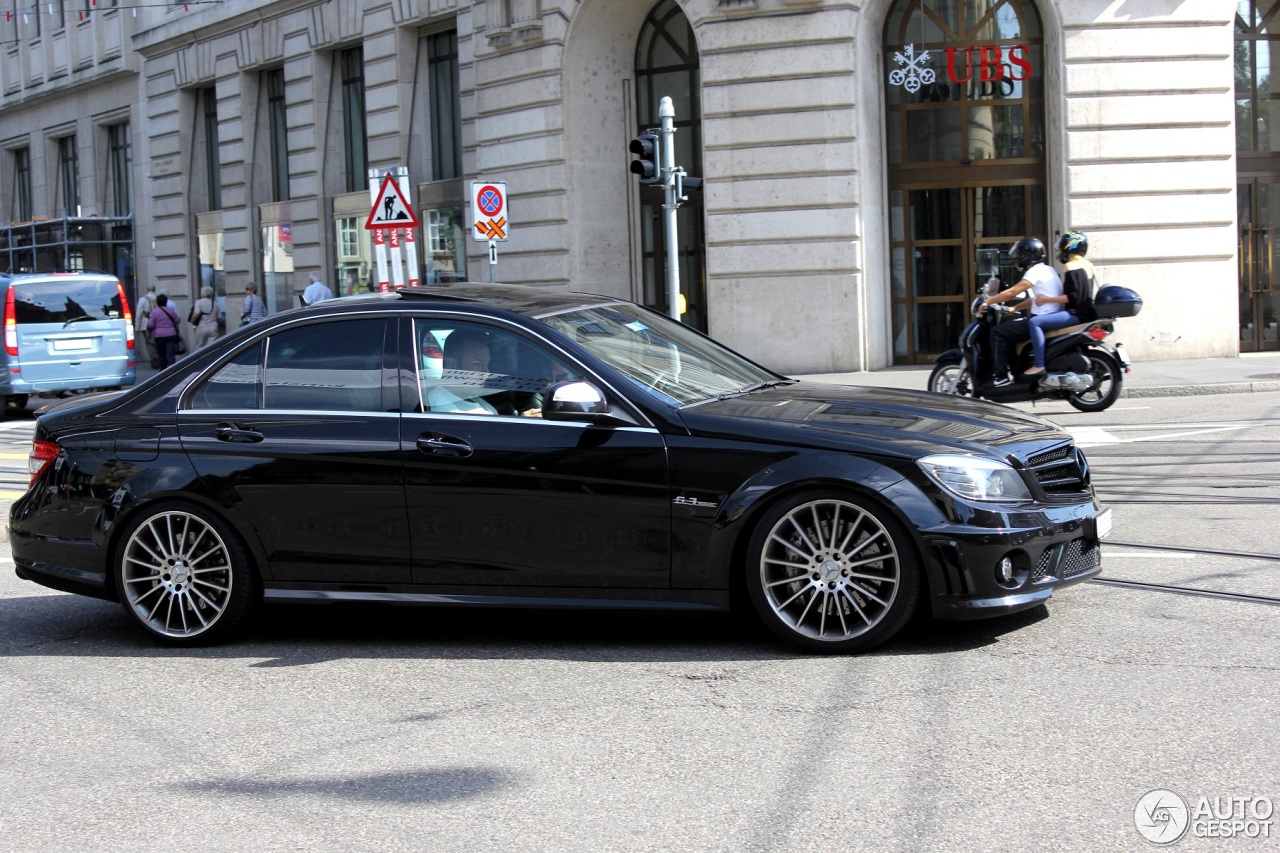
493	261
667	113
379	236
410	247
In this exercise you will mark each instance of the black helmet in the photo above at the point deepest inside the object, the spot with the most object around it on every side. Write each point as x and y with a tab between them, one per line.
1027	253
1072	243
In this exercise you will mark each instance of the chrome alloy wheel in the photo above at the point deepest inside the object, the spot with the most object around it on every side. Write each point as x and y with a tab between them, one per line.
176	574
830	570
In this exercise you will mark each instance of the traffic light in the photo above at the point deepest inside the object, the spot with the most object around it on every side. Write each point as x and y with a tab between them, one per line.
648	151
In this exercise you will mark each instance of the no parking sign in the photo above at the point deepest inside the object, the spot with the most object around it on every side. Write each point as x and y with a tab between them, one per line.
489	211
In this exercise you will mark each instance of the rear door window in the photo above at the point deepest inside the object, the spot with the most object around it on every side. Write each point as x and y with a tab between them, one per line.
66	300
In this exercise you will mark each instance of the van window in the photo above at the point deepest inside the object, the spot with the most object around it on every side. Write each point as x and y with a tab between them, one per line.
65	300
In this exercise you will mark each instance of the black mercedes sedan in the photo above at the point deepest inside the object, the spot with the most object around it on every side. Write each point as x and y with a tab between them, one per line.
493	445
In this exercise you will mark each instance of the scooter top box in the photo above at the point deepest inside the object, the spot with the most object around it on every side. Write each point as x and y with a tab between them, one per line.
1114	301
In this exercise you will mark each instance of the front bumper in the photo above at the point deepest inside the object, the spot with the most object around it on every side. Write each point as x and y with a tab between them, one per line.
1061	550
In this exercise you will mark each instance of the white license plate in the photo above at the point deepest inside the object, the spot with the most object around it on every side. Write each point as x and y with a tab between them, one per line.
72	345
1103	523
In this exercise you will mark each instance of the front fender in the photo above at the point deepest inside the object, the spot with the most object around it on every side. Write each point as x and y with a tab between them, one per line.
711	540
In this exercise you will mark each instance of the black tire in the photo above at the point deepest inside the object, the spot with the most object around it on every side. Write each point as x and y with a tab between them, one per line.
844	553
941	376
1107	383
184	576
14	402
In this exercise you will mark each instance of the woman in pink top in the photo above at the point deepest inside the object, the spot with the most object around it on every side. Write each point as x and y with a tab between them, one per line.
164	324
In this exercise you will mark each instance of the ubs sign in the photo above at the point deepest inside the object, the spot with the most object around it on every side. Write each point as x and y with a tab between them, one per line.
992	63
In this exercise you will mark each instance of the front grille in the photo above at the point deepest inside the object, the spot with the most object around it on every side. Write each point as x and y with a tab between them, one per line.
1061	471
1081	558
1062	562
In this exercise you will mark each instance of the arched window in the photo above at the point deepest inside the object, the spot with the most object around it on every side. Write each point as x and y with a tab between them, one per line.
964	107
667	66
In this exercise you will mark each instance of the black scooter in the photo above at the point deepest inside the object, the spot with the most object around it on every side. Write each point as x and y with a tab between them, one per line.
1080	366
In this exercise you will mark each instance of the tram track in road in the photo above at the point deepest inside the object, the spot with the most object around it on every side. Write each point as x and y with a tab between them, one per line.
1188	590
1179	589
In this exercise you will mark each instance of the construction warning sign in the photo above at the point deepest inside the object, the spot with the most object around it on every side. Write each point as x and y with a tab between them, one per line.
391	209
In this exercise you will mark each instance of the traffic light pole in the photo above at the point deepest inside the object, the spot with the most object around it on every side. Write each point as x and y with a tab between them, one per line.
667	114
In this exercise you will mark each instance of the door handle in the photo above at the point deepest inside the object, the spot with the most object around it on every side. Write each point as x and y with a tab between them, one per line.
234	432
444	445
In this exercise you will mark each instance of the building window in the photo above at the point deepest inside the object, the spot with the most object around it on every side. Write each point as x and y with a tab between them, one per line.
279	128
20	209
446	113
69	176
119	170
445	240
667	64
58	14
355	137
1257	93
355	257
208	100
965	144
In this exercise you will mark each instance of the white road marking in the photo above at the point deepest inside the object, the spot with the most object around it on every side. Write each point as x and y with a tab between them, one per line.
1163	555
1094	436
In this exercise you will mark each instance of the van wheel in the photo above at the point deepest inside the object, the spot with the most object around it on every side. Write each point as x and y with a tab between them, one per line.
14	402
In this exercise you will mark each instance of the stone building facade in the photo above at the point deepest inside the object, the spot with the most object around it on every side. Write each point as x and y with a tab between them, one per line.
856	192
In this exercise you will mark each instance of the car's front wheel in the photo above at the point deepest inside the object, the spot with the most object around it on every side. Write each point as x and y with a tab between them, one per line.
184	576
832	573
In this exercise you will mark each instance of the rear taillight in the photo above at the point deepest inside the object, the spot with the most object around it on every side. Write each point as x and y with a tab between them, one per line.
10	325
1098	333
42	453
128	316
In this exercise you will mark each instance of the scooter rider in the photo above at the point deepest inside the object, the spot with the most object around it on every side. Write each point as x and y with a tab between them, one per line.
1042	281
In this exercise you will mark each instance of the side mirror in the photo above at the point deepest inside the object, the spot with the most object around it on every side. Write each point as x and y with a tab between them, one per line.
576	400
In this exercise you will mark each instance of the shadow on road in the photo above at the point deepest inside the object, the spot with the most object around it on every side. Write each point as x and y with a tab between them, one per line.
301	635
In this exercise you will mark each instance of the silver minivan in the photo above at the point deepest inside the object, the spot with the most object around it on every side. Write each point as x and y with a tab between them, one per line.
64	332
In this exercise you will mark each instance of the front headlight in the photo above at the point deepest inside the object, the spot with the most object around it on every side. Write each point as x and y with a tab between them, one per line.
975	478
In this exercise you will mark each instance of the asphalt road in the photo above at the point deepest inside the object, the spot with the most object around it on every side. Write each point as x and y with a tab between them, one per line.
350	729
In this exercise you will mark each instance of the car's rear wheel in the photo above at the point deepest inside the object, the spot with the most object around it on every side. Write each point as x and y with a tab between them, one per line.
832	573
184	576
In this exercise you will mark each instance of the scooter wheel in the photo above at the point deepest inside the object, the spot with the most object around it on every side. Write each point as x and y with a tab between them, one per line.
1107	382
951	378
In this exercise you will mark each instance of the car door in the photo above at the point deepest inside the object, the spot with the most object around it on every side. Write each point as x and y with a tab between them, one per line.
299	433
499	497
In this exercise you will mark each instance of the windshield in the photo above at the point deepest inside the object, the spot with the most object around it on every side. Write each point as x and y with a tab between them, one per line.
659	355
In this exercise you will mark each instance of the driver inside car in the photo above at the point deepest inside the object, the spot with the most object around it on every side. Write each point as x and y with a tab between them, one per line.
466	360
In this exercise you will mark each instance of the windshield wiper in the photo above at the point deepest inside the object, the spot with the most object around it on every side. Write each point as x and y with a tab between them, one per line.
760	386
78	319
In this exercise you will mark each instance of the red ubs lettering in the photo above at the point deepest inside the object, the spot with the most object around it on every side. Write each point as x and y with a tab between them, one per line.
992	61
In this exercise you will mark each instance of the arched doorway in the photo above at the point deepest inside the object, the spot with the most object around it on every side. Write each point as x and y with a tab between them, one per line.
667	66
964	109
1258	171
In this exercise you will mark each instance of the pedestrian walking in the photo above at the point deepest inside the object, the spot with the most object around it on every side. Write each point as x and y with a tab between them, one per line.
165	326
317	291
204	317
142	333
254	308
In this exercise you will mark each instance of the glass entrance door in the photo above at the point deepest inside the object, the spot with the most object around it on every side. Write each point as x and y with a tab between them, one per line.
947	242
1259	217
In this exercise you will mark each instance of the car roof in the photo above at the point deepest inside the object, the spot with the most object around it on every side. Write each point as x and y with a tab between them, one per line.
528	300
